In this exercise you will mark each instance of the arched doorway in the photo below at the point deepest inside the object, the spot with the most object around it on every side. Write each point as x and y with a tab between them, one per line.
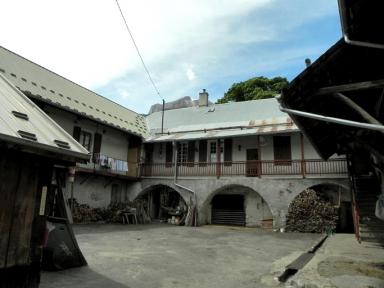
238	205
163	204
321	208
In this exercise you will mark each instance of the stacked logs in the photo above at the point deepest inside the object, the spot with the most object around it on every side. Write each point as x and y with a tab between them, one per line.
311	212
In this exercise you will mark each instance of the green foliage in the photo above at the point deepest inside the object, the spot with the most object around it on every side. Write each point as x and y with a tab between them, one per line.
254	88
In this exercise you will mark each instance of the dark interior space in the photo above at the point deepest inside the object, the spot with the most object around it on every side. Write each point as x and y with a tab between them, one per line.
228	210
228	202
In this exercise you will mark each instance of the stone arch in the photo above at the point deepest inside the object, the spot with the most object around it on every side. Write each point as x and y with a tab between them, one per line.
153	194
257	210
338	195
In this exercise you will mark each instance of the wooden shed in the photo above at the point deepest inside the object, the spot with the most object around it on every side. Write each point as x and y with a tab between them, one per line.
32	145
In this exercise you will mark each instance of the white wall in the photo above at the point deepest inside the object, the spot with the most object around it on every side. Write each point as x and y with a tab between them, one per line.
250	142
114	142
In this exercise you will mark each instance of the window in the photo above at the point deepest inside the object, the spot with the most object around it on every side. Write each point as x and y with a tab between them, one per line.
182	152
282	150
212	151
85	140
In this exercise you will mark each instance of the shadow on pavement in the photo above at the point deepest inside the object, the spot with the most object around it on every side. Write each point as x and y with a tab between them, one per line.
83	277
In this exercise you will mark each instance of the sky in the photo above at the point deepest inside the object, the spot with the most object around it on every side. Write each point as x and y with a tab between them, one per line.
187	45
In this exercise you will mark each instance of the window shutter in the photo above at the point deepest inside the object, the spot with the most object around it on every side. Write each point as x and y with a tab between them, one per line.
282	149
76	133
228	152
97	143
203	152
168	154
191	153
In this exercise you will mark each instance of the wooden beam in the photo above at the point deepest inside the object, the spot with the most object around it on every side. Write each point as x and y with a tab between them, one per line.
349	87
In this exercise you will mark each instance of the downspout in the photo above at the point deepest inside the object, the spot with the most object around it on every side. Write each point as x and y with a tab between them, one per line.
175	175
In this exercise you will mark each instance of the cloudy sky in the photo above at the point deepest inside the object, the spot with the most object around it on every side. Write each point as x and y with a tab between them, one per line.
187	44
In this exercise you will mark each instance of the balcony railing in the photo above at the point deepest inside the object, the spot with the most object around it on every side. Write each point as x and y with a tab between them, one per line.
247	168
104	163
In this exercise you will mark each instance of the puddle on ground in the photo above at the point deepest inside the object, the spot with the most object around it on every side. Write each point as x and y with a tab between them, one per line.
337	267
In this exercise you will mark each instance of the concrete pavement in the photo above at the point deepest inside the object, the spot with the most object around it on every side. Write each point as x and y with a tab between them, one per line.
343	262
162	255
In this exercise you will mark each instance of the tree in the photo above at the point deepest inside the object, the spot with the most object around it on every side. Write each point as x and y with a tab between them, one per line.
254	88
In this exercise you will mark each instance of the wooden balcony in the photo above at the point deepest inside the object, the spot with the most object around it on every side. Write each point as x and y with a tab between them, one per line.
300	168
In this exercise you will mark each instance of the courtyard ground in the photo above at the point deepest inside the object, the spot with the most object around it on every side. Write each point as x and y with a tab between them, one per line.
163	255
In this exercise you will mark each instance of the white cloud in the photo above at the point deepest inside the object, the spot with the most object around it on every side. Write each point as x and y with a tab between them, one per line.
190	73
123	93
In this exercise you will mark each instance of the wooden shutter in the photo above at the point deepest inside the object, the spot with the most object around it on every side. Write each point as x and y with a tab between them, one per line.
168	154
76	133
282	150
97	143
148	152
191	153
203	152
228	152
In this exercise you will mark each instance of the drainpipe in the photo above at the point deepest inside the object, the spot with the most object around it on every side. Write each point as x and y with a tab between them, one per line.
175	175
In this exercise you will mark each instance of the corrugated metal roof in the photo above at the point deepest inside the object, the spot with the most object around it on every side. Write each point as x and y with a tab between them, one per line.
220	121
217	115
25	124
59	91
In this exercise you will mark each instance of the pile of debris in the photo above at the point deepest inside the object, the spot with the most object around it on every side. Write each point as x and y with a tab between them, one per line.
311	212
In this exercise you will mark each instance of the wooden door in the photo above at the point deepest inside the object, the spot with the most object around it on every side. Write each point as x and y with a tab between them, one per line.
252	165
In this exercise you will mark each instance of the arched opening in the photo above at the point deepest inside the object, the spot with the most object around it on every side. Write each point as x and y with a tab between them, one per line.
162	203
240	206
321	208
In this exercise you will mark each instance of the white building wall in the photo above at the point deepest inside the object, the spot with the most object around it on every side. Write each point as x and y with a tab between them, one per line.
114	142
241	144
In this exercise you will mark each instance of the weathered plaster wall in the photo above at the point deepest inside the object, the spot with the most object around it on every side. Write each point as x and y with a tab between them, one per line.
96	190
276	193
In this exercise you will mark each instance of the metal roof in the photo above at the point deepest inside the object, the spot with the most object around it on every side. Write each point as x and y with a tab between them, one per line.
220	121
25	124
45	85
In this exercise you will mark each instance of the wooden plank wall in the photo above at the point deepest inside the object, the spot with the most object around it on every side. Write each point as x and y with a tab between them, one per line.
19	177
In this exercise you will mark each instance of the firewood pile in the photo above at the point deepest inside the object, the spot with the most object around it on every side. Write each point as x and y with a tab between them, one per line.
83	213
310	212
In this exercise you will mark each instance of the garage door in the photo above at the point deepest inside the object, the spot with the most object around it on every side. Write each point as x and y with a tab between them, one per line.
228	210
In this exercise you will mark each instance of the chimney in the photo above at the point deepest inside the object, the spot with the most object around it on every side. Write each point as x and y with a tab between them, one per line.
308	62
203	98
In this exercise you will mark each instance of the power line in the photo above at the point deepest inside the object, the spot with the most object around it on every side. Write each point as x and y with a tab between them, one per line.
138	51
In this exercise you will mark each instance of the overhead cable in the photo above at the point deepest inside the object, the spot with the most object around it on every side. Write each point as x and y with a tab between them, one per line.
138	51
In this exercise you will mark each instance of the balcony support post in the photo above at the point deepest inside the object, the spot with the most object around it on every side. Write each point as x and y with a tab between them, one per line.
218	159
258	157
303	164
174	143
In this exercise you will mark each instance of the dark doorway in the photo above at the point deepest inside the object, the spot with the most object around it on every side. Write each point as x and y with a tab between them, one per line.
252	163
228	210
345	224
164	202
